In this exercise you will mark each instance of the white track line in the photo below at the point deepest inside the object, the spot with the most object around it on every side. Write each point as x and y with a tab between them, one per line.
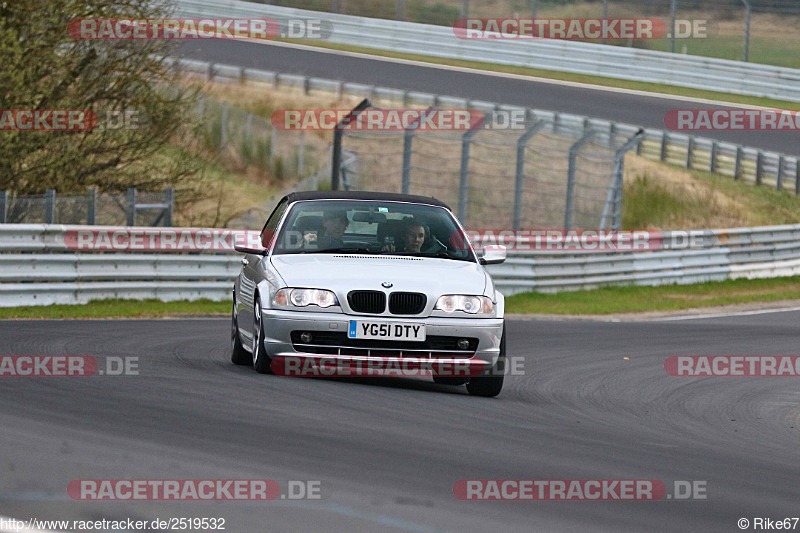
723	315
507	75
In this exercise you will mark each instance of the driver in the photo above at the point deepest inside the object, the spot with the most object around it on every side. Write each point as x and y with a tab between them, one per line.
334	224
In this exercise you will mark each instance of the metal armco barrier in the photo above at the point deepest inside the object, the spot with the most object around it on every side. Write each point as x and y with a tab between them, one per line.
745	163
559	55
37	268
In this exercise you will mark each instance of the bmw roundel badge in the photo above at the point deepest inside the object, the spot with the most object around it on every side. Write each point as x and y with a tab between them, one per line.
386	285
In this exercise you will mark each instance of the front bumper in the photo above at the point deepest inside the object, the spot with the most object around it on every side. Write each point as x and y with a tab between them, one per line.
279	324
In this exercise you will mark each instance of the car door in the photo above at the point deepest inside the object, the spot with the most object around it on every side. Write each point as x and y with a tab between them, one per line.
249	277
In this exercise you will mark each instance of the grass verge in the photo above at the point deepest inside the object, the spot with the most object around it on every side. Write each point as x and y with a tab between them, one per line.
610	300
119	309
604	301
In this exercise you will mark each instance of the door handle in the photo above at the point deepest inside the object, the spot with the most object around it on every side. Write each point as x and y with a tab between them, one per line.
245	262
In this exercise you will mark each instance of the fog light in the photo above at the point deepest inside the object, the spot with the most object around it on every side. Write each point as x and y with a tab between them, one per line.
305	337
463	344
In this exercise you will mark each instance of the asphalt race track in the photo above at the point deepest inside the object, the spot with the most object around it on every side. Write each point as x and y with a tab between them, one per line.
638	110
388	452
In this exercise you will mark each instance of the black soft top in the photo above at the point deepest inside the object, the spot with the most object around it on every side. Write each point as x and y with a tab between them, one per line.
363	195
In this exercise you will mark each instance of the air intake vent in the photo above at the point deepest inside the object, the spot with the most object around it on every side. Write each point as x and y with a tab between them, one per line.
407	303
373	302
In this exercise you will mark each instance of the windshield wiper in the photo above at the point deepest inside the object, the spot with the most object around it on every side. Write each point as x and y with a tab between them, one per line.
341	251
439	255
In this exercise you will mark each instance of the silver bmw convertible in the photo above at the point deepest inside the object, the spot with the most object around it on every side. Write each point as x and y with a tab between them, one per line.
370	279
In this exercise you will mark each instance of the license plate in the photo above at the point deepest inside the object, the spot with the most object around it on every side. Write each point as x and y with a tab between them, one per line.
389	331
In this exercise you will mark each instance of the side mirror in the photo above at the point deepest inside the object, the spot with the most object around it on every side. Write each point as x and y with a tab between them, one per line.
493	255
246	250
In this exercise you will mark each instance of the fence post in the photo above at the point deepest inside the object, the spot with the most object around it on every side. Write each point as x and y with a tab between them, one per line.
201	104
573	153
169	200
605	15
664	142
779	179
248	134
301	154
50	206
91	208
400	10
797	177
672	25
3	207
759	167
614	197
465	9
520	172
408	137
689	151
223	129
463	184
712	164
533	8
337	141
747	12
737	168
612	133
131	206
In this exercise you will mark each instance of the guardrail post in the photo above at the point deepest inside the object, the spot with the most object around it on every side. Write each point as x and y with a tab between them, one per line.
91	207
612	133
779	179
408	137
306	85
759	167
463	182
169	200
50	206
131	206
573	153
336	163
737	168
689	152
210	72
520	172
614	197
556	121
201	104
664	142
248	133
712	164
3	207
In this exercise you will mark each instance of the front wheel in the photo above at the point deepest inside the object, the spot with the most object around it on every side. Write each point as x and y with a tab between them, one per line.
491	382
239	355
261	360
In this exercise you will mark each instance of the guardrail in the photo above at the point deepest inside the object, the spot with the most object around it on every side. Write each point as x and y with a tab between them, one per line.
559	55
740	162
38	268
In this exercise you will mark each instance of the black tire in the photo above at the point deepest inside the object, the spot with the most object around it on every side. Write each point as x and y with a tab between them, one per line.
448	380
261	360
490	384
239	355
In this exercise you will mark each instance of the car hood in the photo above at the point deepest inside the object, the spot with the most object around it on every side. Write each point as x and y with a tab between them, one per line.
343	273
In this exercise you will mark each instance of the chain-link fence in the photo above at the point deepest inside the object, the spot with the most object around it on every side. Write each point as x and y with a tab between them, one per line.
130	209
761	31
540	174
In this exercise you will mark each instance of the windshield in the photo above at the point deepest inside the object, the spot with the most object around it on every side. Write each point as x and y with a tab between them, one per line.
372	227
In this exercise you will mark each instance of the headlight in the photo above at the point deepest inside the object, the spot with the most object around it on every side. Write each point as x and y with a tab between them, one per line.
304	298
474	305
